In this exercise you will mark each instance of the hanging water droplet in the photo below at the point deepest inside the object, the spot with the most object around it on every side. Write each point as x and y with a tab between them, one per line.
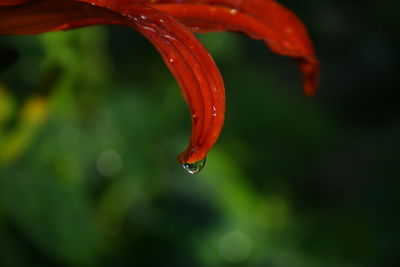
195	167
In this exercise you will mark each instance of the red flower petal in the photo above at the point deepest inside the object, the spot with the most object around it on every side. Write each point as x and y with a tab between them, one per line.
196	72
266	20
185	56
51	15
14	2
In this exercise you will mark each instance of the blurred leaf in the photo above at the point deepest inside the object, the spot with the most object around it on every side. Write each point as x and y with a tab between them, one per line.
53	217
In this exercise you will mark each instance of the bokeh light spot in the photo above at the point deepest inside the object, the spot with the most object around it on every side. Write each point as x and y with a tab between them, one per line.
109	163
235	247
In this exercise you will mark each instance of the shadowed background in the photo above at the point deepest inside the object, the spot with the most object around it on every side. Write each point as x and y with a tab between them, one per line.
91	122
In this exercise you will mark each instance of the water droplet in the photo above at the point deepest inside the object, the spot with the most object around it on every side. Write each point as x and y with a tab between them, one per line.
195	167
233	11
148	28
171	57
170	37
131	17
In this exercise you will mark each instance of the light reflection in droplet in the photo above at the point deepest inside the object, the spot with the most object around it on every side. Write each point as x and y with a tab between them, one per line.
196	167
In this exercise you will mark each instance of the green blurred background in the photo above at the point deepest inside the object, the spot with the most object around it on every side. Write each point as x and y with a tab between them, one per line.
91	122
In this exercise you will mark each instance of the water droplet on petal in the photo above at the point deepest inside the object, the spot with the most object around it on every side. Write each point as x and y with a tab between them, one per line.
233	11
214	111
195	167
170	37
148	28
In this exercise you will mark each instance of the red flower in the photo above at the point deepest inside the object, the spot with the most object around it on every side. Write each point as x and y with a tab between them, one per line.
168	25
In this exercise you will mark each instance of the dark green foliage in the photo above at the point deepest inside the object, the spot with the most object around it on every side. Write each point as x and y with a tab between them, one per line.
91	122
